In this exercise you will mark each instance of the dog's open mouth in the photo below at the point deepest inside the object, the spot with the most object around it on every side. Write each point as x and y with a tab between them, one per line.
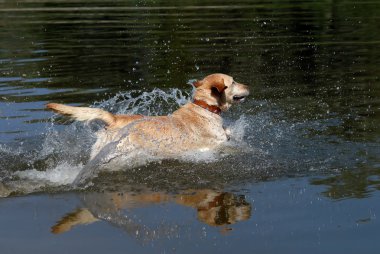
238	98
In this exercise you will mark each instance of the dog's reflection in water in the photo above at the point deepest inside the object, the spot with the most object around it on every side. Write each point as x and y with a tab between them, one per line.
213	208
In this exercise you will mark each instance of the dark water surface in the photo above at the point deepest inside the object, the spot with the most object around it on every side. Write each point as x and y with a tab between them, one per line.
306	176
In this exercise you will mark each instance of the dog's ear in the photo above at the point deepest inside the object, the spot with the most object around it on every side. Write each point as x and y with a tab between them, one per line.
197	83
219	86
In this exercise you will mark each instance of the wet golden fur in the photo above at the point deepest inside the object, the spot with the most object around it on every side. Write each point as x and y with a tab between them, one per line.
190	128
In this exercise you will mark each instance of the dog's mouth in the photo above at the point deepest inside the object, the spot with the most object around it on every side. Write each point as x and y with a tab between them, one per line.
239	98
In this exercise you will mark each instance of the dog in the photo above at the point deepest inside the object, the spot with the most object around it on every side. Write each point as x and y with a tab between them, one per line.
196	126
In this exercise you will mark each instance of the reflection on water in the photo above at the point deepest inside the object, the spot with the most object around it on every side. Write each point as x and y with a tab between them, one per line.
351	184
117	208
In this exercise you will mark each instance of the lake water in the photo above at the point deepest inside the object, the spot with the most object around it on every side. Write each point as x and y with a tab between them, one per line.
303	174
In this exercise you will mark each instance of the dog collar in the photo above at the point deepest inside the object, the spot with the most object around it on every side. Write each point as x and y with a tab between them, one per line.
212	108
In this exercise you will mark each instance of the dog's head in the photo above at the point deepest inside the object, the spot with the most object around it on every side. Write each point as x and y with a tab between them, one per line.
220	90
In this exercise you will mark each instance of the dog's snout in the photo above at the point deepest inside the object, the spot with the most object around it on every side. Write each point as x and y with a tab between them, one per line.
244	89
241	92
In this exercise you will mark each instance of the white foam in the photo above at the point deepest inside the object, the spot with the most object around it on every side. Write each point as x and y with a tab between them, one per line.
63	174
203	155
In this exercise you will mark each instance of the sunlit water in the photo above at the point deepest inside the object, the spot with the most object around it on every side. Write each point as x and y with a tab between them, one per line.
301	172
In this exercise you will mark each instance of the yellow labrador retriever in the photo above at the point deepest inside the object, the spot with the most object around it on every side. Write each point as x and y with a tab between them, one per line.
196	126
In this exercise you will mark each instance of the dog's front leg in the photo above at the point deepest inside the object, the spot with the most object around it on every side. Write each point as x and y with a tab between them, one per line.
227	131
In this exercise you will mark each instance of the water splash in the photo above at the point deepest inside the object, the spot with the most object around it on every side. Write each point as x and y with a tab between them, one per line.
62	174
64	152
153	103
262	144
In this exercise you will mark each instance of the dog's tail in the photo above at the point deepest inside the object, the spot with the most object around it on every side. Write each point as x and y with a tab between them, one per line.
83	113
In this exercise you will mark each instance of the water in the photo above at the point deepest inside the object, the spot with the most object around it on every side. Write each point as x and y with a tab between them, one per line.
300	174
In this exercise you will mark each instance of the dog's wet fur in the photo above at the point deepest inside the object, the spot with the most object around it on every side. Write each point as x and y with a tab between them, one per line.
195	126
